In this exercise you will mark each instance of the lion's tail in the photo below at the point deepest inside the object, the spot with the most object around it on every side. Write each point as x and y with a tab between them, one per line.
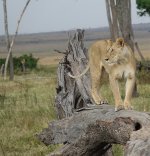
80	75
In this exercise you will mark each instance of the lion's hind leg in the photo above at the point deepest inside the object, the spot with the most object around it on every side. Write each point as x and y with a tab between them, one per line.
96	83
95	89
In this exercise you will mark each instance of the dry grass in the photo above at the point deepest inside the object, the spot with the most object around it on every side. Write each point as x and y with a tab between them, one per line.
51	60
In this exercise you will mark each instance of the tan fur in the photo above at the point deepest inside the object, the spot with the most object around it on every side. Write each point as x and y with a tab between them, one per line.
118	61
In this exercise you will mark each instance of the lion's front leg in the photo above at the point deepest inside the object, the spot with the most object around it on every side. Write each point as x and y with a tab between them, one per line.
116	93
129	89
96	94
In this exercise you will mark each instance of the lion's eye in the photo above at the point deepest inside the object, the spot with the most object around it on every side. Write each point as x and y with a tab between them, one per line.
110	50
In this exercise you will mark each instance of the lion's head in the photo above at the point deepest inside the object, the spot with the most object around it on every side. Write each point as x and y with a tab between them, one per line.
116	52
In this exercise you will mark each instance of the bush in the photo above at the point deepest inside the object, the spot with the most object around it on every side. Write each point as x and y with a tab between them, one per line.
2	61
30	62
143	65
143	72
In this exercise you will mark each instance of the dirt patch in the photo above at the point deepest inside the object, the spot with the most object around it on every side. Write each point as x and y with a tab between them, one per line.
51	60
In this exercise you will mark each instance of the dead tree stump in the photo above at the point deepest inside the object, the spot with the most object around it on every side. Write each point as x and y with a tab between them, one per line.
86	129
73	94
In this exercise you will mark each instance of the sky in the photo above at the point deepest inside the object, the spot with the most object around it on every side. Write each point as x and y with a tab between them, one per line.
57	15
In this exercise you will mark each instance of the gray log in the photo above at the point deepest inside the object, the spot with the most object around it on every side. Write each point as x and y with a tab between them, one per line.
91	132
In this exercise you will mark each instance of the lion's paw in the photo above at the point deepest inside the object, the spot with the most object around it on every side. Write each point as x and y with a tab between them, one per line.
119	107
102	102
128	107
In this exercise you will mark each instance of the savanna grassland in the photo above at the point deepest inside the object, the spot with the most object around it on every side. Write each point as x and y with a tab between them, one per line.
26	106
27	103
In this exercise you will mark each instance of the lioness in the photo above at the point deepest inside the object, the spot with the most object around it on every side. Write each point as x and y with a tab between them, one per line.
118	60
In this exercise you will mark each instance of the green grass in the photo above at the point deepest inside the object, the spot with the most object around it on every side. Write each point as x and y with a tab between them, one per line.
46	70
27	106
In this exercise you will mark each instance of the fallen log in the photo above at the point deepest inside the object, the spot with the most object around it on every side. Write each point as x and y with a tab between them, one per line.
91	132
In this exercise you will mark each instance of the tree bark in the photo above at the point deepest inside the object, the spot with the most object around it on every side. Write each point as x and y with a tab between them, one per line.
114	19
108	9
91	132
11	67
73	94
124	18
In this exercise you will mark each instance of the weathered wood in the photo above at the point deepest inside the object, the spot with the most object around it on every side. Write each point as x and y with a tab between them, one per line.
139	143
73	94
91	132
58	51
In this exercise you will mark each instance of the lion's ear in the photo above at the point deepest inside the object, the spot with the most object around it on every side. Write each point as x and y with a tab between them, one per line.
120	42
109	44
